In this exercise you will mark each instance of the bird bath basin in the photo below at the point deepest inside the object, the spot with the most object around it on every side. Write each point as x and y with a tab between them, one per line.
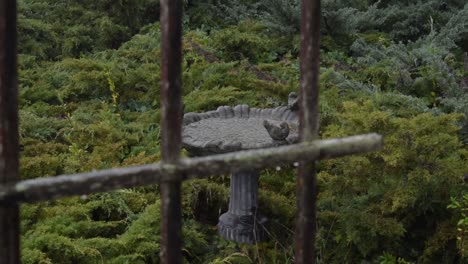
229	129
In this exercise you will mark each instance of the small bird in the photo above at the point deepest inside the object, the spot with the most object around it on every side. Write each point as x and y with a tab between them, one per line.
279	133
293	101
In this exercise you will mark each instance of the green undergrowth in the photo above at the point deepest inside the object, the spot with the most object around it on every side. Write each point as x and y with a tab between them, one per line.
89	100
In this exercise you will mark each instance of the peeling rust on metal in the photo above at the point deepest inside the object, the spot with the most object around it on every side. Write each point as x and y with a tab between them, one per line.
309	130
171	128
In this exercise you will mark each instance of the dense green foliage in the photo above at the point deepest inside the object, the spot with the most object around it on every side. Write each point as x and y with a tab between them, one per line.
89	94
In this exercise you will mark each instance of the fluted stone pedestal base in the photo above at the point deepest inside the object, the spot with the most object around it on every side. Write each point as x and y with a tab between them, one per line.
243	223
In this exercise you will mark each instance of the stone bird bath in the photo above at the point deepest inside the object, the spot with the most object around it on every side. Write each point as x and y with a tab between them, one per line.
229	129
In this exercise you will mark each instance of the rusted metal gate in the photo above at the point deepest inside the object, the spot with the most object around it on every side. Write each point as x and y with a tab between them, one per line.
172	170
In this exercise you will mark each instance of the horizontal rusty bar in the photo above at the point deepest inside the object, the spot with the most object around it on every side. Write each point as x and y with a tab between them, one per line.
106	180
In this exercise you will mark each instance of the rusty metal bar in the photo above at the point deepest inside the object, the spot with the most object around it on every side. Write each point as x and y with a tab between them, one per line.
42	189
171	124
9	211
309	126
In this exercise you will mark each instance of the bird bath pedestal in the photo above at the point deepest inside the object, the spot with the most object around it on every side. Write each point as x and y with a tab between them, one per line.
229	129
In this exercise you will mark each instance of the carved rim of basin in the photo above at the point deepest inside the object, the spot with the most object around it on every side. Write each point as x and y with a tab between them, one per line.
236	128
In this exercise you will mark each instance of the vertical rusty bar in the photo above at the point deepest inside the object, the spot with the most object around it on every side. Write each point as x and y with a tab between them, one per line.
309	125
171	121
9	211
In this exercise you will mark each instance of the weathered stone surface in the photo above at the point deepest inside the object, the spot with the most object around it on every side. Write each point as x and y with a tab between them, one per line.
242	222
230	129
220	131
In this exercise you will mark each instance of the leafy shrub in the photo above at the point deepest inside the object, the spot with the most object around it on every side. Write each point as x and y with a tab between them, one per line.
461	206
247	40
417	173
90	97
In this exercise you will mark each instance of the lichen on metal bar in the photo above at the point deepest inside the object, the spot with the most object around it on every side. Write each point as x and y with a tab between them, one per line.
107	180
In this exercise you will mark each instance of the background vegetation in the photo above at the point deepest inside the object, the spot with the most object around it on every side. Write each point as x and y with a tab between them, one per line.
89	93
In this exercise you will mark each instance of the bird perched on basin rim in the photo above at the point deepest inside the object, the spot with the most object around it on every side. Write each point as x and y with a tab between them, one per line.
276	132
